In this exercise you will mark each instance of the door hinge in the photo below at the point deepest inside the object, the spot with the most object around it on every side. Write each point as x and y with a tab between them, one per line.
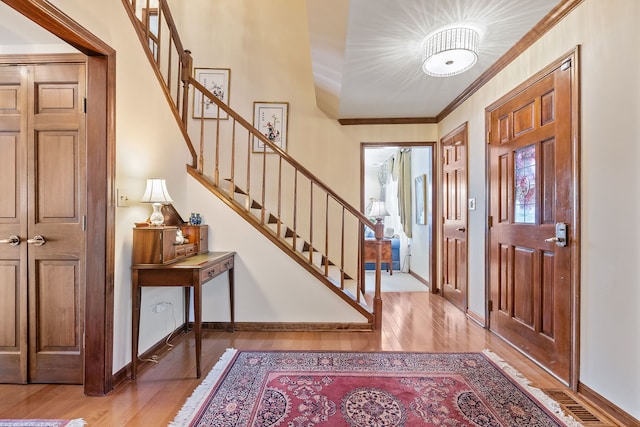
84	105
566	65
84	223
490	306
490	221
488	137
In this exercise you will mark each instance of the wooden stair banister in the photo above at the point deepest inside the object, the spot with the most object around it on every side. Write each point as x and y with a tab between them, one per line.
320	246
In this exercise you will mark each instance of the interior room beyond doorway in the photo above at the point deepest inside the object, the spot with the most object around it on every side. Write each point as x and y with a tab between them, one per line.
400	178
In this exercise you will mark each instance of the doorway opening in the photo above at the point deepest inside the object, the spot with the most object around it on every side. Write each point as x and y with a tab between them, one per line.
399	176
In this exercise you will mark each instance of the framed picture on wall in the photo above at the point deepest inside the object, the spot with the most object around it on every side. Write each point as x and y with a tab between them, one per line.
216	80
270	118
421	199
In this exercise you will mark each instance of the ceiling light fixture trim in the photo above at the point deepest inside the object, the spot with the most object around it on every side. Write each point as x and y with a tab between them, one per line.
450	52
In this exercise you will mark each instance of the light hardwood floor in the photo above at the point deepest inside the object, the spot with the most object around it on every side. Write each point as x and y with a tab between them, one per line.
417	321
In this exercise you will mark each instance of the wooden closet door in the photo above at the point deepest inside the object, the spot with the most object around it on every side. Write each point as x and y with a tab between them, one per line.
13	222
44	274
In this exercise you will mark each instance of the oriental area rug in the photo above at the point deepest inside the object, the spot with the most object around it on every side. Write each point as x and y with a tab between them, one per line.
307	388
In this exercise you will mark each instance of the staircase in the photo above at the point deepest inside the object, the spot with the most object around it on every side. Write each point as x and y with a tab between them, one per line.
267	187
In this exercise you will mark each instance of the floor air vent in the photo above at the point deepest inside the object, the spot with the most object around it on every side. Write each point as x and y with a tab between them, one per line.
578	410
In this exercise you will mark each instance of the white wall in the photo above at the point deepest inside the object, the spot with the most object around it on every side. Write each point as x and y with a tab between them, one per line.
421	161
18	35
610	153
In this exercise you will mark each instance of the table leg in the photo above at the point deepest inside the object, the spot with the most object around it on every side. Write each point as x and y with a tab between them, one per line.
197	315
187	304
135	318
231	298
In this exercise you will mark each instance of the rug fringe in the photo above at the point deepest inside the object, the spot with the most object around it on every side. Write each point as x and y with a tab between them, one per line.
195	401
540	395
77	422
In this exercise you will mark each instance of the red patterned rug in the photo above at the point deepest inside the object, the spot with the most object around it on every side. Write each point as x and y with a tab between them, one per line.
306	389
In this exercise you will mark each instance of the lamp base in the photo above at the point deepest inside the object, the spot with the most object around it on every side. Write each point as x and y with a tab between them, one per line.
379	229
156	218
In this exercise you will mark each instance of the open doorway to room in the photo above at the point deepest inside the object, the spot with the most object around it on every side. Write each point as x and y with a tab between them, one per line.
399	177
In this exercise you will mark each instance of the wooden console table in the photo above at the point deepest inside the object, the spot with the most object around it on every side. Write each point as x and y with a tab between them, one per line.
191	272
385	253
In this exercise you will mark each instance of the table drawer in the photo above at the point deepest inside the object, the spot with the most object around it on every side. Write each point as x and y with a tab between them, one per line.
209	273
226	264
186	250
216	269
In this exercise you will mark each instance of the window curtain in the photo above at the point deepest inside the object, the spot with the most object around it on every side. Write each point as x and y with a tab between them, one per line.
402	173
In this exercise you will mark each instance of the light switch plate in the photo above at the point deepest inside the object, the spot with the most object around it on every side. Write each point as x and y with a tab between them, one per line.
122	198
472	204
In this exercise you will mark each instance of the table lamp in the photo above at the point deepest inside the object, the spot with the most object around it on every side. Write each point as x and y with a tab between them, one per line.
378	211
157	194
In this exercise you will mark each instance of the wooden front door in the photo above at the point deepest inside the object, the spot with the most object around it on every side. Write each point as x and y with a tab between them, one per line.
454	224
43	204
532	181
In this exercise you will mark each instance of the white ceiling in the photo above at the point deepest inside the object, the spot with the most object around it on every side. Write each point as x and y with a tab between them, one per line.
365	53
366	56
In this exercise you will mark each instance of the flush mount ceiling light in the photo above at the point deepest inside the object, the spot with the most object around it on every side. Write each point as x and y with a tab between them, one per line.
449	52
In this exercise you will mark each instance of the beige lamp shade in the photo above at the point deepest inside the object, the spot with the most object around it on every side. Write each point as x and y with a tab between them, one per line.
378	210
157	194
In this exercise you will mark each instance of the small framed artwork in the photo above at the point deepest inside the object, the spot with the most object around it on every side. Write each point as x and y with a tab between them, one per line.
421	199
217	81
270	118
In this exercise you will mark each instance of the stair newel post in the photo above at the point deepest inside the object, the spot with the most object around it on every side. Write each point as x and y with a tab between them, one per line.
377	299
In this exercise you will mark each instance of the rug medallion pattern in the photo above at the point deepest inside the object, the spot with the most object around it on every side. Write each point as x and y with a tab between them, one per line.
308	389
